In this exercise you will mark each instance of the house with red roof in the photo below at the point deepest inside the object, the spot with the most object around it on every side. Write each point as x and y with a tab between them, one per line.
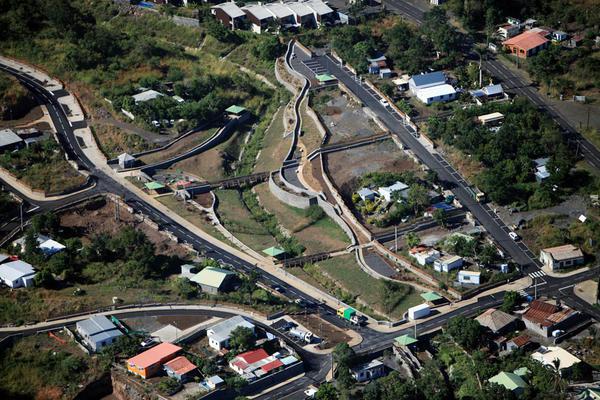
180	368
255	364
148	363
526	44
544	318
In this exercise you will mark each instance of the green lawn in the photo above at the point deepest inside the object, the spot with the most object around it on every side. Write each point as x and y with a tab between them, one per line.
238	220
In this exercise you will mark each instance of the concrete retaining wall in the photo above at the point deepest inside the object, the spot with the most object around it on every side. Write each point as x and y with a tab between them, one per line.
332	213
292	199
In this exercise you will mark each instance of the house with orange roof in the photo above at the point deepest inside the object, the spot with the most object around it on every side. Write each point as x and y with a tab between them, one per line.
526	44
148	363
255	364
180	368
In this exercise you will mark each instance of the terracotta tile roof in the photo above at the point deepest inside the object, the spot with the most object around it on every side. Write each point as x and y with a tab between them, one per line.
154	355
180	365
526	40
546	314
521	340
271	366
560	316
250	357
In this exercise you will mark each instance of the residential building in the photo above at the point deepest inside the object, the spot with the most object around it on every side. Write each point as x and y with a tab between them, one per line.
304	16
510	381
559	36
423	81
126	161
50	247
214	382
469	277
437	2
548	355
4	258
490	119
97	332
526	44
488	94
448	263
385	73
368	371
146	95
218	335
229	14
387	192
366	194
507	31
10	141
530	23
576	41
425	256
497	321
323	14
215	280
148	363
259	17
283	15
437	94
519	342
17	274
180	368
565	256
402	82
376	64
544	318
513	21
541	172
188	271
255	364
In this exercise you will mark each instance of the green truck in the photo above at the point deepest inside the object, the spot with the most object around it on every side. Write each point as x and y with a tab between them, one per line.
350	315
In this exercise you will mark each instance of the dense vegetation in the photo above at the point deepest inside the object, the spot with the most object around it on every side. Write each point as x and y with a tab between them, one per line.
42	165
15	100
410	49
509	153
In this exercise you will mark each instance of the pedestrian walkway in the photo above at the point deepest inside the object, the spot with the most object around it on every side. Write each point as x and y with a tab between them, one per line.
537	274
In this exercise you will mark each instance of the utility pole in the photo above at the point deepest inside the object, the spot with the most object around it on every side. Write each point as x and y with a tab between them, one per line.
535	288
21	214
396	239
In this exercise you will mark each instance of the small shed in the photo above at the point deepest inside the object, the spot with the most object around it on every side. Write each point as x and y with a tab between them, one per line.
274	252
10	141
126	161
214	280
180	368
235	110
325	78
469	277
214	382
154	187
385	73
366	194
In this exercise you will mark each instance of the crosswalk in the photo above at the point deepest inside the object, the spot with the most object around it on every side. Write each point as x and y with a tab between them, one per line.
537	274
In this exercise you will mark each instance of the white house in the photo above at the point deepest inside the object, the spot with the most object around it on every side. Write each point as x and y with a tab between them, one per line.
448	263
426	257
17	274
368	371
387	191
50	246
98	332
555	258
218	335
146	95
547	355
366	194
559	36
423	81
469	277
507	31
436	94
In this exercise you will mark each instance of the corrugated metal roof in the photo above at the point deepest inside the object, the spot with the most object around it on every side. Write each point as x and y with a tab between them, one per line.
231	9
15	270
9	137
211	276
429	79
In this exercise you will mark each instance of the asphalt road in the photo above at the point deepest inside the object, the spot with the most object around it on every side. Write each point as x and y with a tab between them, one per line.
461	188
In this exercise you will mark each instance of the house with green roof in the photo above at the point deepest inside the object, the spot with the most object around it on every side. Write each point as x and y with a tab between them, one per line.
274	252
405	340
510	381
235	110
214	280
325	78
154	186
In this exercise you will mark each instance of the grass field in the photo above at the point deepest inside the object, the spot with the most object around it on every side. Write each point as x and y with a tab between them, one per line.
114	141
238	220
311	137
275	146
342	277
322	235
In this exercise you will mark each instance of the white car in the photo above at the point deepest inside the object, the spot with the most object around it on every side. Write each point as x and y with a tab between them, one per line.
384	102
513	236
310	392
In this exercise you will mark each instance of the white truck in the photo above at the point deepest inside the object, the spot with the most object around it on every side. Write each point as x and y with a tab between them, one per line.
420	311
301	335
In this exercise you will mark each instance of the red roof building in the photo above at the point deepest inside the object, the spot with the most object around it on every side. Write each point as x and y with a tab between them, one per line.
255	364
148	363
543	318
271	366
526	44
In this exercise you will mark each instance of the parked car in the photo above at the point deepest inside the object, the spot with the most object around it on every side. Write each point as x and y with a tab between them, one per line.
513	236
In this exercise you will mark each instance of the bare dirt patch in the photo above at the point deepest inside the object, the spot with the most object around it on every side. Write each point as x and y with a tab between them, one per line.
331	335
181	146
33	115
100	218
347	167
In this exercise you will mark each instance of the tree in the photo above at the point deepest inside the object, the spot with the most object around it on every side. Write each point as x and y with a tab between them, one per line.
432	384
465	331
242	339
44	279
268	48
418	197
511	301
327	392
185	289
412	239
440	217
343	354
488	254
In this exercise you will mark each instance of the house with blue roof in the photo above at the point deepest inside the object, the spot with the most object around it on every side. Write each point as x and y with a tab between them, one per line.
424	81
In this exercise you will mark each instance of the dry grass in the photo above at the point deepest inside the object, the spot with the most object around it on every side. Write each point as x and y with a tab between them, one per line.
181	146
275	146
311	137
114	141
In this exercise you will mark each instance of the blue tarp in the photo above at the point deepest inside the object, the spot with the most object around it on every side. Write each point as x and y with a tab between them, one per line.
443	206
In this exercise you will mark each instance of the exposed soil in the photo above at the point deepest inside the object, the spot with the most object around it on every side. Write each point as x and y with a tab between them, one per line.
204	199
330	334
33	115
87	222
